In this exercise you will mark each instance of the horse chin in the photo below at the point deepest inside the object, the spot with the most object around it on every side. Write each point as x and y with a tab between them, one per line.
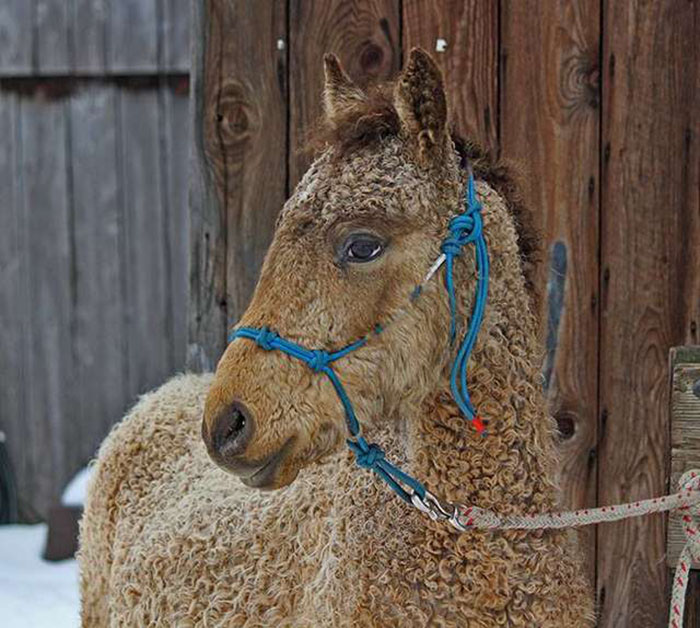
279	478
277	471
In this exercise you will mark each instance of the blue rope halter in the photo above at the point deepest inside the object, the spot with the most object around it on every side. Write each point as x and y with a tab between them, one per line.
464	229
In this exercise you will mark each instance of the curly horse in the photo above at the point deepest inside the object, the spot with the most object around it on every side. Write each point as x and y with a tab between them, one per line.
171	537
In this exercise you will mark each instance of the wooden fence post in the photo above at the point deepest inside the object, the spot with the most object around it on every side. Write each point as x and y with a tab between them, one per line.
239	166
685	455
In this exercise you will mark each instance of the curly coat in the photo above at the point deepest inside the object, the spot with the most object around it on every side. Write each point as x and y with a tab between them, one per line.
170	539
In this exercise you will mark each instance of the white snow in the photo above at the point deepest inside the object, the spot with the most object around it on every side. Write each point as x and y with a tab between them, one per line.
34	592
74	493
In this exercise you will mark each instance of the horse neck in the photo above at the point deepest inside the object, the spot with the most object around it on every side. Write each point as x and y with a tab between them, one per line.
510	469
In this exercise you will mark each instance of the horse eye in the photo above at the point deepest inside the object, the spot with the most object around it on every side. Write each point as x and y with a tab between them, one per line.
363	248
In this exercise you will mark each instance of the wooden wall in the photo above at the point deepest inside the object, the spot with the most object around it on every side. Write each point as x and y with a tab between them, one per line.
600	101
94	144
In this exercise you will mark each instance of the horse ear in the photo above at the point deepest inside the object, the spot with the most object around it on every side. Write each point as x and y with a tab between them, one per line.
419	99
339	92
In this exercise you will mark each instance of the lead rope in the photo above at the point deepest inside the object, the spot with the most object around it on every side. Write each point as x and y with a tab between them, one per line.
686	502
467	228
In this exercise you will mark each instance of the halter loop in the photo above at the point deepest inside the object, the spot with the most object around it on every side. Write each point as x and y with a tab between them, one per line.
465	228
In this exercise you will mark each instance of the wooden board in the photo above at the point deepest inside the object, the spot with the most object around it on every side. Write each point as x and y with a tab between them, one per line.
463	38
364	35
650	292
175	115
685	434
145	235
175	36
13	301
240	171
52	22
99	334
16	37
89	36
551	127
48	270
94	37
133	37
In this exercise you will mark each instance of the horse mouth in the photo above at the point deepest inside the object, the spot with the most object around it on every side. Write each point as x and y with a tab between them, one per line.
266	475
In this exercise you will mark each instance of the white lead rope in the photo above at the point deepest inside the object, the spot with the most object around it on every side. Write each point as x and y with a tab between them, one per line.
686	502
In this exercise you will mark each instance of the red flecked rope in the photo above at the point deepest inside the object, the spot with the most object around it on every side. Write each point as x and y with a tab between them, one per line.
686	502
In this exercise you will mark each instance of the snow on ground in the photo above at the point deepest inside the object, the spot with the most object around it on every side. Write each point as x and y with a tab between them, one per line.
74	493
35	593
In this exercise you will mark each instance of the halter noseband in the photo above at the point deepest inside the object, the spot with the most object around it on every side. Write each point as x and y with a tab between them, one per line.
464	228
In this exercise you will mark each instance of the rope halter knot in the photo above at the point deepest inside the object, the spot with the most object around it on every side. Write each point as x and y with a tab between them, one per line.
464	229
366	457
319	360
265	338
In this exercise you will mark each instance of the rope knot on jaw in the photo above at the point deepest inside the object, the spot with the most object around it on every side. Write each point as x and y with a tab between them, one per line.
319	360
265	338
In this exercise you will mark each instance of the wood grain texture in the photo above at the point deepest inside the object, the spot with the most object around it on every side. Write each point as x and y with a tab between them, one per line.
550	125
685	435
469	60
206	311
99	334
89	36
240	171
13	301
133	36
16	37
175	120
650	296
145	231
46	240
364	35
52	26
175	36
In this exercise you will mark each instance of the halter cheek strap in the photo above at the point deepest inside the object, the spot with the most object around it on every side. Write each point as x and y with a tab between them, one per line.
465	228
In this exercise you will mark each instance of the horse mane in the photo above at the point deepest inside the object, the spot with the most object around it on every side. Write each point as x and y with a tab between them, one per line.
375	118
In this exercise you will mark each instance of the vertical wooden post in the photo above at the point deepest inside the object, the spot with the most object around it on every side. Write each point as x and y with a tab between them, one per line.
550	124
239	180
685	455
650	294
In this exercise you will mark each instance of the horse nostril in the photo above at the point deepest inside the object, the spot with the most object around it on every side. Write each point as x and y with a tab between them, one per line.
232	431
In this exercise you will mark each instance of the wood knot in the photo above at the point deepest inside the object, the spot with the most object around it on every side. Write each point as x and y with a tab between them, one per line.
237	116
371	58
579	83
566	425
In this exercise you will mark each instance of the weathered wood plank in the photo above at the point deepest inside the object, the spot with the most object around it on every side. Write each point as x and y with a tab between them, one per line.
550	124
175	115
13	302
206	310
175	34
89	36
133	37
99	335
364	35
650	290
16	37
240	172
46	239
685	434
146	288
52	26
463	38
